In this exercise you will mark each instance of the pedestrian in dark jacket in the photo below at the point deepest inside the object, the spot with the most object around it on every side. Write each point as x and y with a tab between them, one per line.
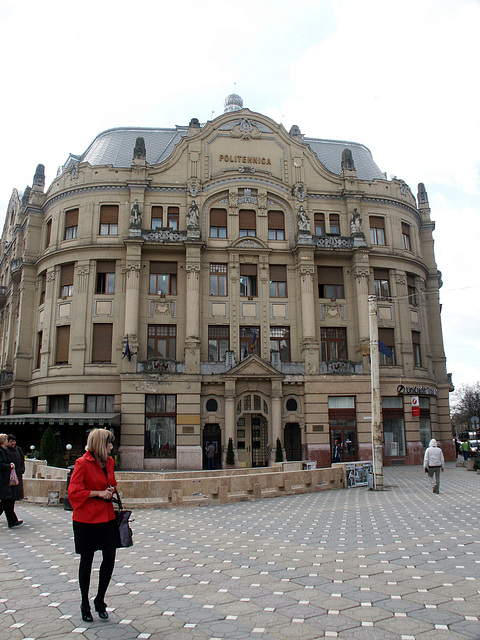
6	491
16	455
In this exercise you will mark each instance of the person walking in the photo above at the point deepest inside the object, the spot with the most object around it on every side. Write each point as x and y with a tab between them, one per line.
90	493
433	463
465	449
210	453
7	503
337	451
16	455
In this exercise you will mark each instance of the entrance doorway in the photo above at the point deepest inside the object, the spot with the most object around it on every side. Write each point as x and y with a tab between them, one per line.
212	434
345	432
252	440
293	441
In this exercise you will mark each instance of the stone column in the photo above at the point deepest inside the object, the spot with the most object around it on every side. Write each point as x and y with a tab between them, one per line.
310	352
276	419
361	275
78	323
132	295
230	431
192	337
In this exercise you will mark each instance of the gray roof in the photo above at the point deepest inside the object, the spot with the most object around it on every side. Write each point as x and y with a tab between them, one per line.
115	147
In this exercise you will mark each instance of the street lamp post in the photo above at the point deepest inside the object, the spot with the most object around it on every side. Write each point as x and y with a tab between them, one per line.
32	451
377	453
68	448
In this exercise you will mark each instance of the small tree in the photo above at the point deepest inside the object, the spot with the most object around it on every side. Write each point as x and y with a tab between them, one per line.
279	452
48	446
230	457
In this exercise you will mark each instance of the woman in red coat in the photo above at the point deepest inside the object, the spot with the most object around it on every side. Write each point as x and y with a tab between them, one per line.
90	492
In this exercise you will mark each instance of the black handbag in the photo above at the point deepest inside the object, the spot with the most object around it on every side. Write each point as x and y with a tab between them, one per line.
122	519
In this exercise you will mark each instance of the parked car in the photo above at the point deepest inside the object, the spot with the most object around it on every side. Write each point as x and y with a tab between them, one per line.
474	445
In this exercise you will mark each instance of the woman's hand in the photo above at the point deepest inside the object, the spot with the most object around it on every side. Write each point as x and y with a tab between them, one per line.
105	495
12	465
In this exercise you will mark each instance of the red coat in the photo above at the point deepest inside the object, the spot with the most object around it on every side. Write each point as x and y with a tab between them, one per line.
88	476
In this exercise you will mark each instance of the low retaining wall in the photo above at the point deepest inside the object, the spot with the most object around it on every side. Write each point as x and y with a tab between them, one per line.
150	489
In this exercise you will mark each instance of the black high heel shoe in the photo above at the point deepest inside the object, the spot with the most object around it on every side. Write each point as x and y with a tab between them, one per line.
101	609
86	613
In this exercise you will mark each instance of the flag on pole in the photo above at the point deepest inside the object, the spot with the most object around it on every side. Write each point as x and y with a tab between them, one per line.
382	347
254	344
127	351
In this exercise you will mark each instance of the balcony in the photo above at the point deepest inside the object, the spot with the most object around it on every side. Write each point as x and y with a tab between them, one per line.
164	234
160	365
3	296
330	241
340	367
16	269
6	378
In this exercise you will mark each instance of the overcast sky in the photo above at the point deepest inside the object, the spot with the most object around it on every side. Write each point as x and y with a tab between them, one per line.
401	78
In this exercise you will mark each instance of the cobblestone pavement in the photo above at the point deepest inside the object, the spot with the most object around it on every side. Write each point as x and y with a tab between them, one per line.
402	564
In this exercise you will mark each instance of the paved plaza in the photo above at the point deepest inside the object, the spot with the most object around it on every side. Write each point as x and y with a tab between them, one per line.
402	564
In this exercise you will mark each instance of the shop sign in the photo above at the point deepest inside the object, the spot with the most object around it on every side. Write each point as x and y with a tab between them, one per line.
403	390
415	406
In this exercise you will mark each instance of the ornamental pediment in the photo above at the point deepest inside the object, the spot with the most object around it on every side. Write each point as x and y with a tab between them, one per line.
253	367
248	243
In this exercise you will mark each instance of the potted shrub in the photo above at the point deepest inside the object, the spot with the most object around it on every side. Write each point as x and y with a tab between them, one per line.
230	457
476	464
279	452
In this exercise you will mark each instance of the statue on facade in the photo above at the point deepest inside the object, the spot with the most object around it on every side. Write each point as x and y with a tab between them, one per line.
193	215
356	224
135	215
303	220
347	160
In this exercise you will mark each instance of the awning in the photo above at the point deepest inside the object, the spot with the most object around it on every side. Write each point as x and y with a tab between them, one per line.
82	419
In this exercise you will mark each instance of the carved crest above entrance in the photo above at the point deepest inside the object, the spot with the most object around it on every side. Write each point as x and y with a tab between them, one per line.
246	129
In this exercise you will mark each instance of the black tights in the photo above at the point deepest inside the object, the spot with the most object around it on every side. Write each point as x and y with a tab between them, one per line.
106	570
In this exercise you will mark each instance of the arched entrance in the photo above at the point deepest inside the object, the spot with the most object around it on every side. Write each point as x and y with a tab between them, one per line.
252	431
212	434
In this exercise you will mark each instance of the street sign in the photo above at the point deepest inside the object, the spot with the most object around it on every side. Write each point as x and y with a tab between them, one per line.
474	420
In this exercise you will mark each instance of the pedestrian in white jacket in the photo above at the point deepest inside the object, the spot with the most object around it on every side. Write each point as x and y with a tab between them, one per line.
433	463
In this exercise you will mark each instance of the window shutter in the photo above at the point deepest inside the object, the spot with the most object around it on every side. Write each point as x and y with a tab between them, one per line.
330	275
248	269
381	274
386	336
71	218
278	273
276	220
377	222
163	267
63	343
102	343
66	276
105	266
411	281
157	212
109	214
218	218
247	219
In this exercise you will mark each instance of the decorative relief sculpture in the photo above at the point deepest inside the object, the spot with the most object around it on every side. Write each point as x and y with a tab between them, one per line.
140	151
233	199
193	187
246	129
298	191
422	195
193	215
262	200
347	160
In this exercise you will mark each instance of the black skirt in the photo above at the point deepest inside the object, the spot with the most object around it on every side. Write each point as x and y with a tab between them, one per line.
93	537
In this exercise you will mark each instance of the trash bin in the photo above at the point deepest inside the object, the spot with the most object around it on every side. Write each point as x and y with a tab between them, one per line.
66	503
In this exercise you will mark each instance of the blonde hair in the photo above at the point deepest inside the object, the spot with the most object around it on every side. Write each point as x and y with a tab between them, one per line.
3	439
97	442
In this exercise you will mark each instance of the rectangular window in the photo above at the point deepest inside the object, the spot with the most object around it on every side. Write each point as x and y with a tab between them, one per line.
280	341
63	344
218	223
249	341
58	404
330	282
157	217
417	354
381	284
334	343
278	281
334	220
71	224
406	237
38	360
66	280
162	340
172	218
99	404
319	221
102	343
160	425
248	280
105	276
387	336
276	225
412	290
43	286
163	278
48	233
393	426
377	230
218	279
247	223
218	343
109	220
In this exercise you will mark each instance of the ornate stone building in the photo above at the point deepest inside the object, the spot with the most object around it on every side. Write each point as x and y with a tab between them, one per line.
196	284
